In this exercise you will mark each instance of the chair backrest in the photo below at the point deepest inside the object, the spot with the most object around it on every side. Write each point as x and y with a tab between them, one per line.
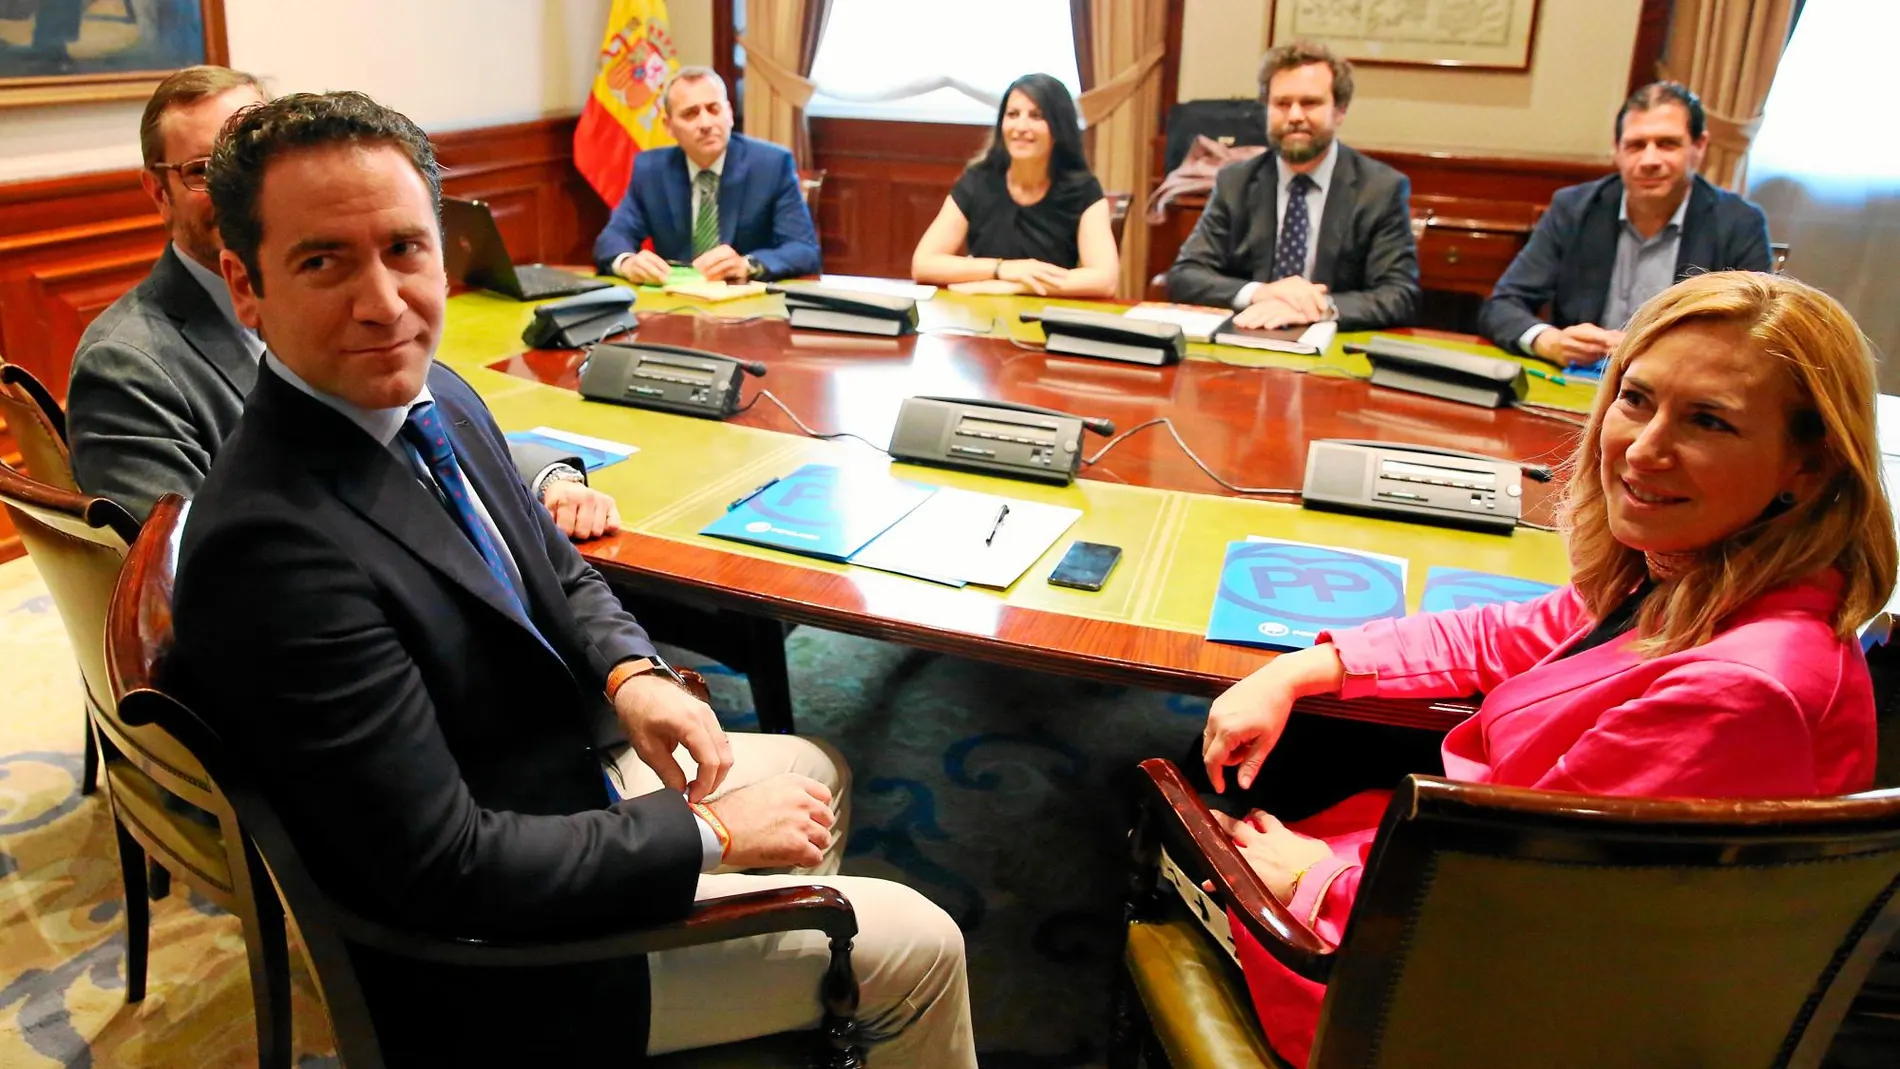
38	425
811	183
258	850
77	543
1778	256
1498	926
1118	204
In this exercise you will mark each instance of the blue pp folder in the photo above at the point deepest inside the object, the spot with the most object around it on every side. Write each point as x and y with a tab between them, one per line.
596	453
1459	588
820	511
1283	594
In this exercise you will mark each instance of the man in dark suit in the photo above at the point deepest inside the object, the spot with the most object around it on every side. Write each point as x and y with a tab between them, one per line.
1310	230
1606	247
159	379
729	205
369	606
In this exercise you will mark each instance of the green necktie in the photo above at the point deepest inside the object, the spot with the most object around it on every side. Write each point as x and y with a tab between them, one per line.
706	223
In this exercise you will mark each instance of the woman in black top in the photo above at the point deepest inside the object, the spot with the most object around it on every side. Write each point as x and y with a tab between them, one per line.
1028	210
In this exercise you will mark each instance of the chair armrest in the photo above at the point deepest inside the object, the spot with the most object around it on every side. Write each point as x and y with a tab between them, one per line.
784	909
695	684
1205	852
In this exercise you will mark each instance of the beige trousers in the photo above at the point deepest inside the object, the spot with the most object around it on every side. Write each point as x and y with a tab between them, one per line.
914	998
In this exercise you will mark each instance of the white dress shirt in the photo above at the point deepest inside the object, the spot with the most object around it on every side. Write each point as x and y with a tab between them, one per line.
1322	177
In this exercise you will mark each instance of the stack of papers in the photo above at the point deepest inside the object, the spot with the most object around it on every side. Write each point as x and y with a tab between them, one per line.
947	539
1197	321
944	535
1310	340
715	291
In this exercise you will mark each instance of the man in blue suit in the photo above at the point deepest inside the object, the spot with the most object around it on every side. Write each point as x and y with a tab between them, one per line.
729	205
1606	247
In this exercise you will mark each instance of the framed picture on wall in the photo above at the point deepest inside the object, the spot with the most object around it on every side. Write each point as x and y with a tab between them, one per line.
1483	34
53	51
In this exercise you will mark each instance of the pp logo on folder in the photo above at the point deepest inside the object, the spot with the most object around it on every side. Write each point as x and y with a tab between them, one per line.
1459	588
1283	594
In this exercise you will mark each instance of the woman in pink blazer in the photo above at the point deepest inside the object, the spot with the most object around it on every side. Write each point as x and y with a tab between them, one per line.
1728	533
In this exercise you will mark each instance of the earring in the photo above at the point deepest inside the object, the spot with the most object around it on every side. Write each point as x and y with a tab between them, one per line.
1785	499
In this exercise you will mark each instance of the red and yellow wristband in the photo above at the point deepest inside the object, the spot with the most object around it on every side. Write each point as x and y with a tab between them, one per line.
705	813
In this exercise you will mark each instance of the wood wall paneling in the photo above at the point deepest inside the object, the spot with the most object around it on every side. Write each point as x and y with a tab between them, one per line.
884	183
70	246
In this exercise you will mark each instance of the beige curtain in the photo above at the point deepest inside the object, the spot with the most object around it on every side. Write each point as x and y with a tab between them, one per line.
1727	51
1126	39
780	42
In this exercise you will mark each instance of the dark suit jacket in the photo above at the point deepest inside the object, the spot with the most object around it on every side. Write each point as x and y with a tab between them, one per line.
433	755
1568	261
158	384
762	212
1365	257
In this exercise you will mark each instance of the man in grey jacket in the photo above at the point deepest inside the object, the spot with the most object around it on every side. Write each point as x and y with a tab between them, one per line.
160	378
1310	230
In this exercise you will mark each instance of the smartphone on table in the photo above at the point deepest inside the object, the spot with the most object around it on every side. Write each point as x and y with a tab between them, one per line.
1086	565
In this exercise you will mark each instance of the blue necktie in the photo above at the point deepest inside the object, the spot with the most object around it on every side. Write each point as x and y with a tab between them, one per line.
424	430
1289	257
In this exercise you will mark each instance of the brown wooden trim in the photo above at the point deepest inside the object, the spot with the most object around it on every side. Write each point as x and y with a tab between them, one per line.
725	42
1652	36
890	141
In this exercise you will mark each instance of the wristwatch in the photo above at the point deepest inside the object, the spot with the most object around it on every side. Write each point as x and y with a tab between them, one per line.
557	473
652	664
753	268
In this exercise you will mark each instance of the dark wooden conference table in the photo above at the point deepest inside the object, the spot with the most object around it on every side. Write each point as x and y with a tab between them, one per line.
1251	423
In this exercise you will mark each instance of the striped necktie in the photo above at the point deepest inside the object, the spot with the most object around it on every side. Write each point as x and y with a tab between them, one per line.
706	221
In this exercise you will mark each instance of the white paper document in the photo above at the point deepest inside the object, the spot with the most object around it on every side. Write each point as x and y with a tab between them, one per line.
891	287
944	539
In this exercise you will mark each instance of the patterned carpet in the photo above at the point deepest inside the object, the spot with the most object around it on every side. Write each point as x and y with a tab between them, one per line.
997	792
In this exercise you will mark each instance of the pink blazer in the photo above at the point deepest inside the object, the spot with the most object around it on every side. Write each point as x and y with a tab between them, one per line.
1773	706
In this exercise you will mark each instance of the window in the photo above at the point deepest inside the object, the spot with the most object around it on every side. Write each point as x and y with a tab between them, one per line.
932	62
1819	121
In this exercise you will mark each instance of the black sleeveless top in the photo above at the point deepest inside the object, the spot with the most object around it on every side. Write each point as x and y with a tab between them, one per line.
1045	230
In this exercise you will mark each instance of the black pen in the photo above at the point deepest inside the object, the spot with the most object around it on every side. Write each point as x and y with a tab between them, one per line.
756	491
997	526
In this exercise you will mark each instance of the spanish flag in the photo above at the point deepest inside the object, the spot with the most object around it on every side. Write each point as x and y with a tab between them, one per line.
622	115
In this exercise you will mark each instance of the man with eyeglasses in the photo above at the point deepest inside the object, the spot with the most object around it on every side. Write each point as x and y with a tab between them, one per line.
160	378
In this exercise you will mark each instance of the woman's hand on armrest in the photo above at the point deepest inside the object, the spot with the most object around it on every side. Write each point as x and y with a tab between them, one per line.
1244	724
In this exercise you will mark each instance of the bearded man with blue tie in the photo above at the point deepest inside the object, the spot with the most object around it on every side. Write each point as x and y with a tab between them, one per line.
1311	230
727	204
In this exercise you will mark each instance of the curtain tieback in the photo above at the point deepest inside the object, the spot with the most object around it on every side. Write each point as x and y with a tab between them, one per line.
1100	102
1731	134
794	87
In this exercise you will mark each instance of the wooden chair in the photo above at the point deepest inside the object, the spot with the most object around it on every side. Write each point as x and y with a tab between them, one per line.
139	637
1118	206
79	544
38	425
811	183
1497	926
39	429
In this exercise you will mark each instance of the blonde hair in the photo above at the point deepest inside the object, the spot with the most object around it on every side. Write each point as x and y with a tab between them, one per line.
1847	525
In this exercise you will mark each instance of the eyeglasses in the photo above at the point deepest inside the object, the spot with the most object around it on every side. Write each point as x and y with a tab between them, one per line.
191	173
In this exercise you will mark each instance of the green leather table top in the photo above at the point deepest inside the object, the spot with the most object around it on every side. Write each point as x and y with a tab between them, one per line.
1173	541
